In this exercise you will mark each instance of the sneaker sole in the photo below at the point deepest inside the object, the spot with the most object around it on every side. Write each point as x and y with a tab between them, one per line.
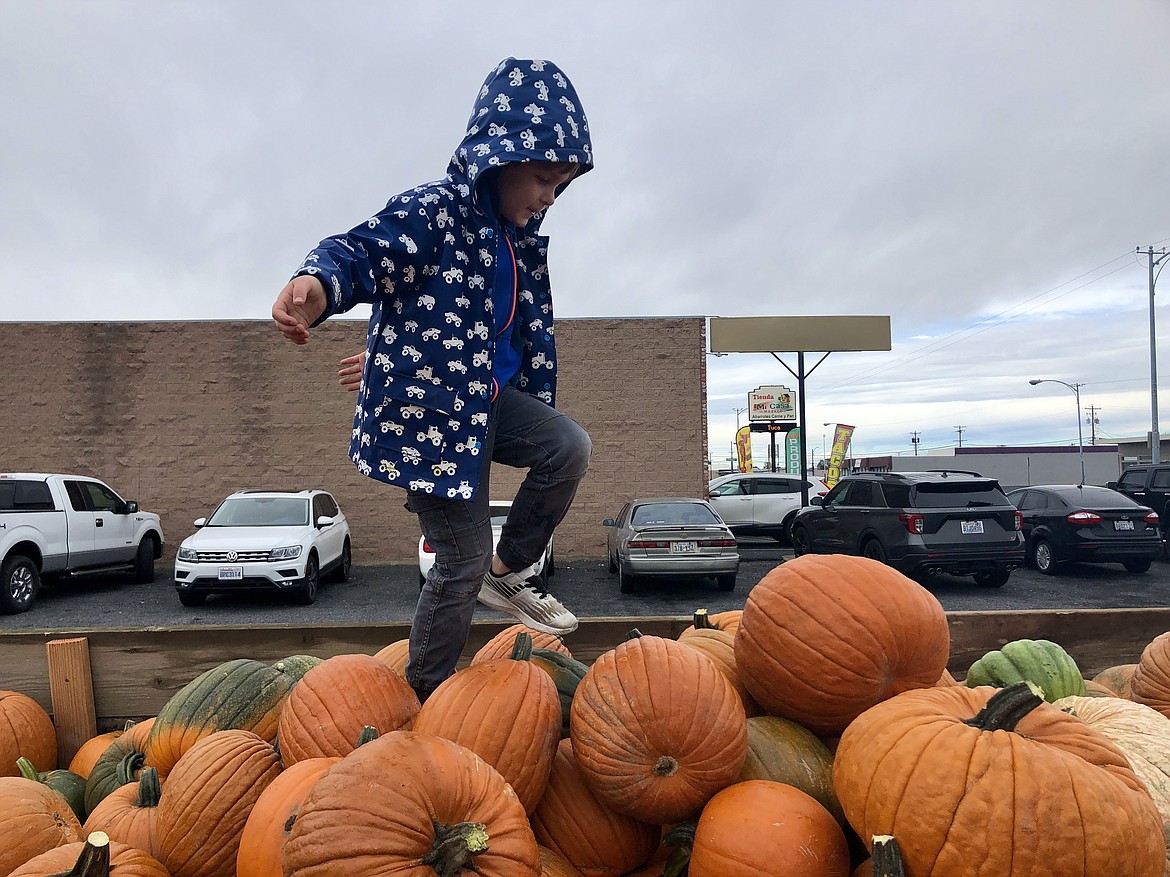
501	604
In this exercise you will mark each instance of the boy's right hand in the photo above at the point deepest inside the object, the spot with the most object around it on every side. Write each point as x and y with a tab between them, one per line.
350	376
298	306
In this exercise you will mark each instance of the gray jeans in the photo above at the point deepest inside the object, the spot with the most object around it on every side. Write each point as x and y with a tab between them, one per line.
522	432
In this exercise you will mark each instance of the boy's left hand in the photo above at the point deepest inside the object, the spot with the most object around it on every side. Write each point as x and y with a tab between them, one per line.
350	375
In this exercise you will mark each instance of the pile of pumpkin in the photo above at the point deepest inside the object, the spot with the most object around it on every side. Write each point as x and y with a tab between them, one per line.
786	739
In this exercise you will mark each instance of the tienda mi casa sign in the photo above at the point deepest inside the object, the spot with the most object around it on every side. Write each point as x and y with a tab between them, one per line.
772	404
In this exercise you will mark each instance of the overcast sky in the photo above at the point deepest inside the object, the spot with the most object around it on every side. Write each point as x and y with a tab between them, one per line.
980	172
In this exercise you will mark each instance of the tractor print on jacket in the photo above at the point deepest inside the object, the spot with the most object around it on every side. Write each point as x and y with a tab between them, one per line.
425	263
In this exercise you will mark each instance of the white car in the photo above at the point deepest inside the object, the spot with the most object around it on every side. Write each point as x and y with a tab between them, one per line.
265	539
760	503
544	565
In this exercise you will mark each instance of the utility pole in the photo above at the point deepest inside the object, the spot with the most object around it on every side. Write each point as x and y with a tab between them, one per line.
960	429
1093	423
914	441
1155	439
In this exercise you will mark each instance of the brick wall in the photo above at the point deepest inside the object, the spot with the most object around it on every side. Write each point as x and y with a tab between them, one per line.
178	415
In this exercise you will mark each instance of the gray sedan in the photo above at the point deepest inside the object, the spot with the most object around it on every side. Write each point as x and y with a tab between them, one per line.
670	537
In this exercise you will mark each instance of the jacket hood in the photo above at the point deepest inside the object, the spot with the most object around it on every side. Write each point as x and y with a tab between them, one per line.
527	110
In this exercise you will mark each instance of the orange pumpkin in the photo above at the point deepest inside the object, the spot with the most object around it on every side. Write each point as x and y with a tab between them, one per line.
395	656
25	730
500	645
1150	683
91	750
33	819
423	800
825	637
728	621
946	679
505	710
273	816
206	801
719	646
324	714
905	768
1118	679
657	729
129	814
122	860
762	827
553	864
571	820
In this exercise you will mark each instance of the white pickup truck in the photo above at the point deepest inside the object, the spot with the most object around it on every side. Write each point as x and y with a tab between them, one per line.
65	525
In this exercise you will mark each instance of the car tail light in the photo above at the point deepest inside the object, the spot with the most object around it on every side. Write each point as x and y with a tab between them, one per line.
716	543
1019	521
1084	518
1152	518
427	547
914	523
647	543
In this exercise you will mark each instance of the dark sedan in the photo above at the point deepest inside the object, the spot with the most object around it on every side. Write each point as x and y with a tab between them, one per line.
1067	522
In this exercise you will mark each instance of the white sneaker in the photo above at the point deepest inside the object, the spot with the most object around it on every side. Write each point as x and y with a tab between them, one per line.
527	600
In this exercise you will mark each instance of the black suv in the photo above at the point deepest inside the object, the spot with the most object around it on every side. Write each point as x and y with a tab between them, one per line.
920	523
1148	484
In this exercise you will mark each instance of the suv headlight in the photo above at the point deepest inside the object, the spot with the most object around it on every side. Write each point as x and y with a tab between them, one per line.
287	553
188	554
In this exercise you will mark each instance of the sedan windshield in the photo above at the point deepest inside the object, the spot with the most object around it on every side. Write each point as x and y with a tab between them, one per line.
671	513
261	511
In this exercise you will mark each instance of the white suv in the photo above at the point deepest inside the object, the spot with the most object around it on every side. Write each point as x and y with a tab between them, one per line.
265	539
761	503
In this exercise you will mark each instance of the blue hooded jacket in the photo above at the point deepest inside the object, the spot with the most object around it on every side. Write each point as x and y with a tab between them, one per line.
426	263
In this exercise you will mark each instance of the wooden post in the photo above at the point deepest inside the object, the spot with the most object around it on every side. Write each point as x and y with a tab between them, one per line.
71	690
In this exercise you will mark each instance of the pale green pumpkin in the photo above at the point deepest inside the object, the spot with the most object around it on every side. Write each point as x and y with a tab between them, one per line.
1043	663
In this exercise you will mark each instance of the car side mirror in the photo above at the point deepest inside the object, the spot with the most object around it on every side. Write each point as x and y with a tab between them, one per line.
200	522
816	500
324	521
609	522
131	507
1112	485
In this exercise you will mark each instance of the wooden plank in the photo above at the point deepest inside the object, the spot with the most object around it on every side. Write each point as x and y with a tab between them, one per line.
71	694
136	670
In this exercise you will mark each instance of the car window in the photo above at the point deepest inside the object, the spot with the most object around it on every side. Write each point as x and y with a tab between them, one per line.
261	511
1161	479
76	497
777	485
836	496
666	513
958	494
101	498
861	493
1032	500
318	508
1133	478
1102	497
731	488
329	506
25	496
897	495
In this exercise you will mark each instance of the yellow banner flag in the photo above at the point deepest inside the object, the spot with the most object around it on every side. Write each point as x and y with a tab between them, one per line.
841	436
743	448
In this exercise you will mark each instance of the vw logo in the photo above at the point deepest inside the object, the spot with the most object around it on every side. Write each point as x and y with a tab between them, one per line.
233	556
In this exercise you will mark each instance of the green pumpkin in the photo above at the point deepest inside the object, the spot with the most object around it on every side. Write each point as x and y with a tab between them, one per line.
66	783
566	674
783	751
1043	663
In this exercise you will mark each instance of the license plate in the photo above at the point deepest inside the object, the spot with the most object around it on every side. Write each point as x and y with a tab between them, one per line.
683	547
231	572
971	527
1123	525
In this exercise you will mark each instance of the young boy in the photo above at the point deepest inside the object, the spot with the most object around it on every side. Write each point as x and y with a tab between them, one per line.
460	364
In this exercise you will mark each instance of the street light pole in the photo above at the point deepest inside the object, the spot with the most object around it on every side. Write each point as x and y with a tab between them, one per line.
1076	388
1155	439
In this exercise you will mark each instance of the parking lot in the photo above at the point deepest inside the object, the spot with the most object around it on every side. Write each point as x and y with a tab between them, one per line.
388	593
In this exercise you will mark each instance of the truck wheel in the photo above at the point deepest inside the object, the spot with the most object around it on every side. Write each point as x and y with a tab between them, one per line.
144	561
19	583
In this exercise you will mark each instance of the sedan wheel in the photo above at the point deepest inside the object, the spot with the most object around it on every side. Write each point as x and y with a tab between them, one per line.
1137	566
727	582
626	583
613	567
1044	557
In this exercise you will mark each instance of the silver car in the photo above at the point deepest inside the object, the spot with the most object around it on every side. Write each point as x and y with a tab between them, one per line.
670	536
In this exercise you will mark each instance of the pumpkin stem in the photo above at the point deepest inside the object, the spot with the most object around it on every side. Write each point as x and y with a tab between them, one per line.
454	847
149	789
682	838
94	860
129	766
522	648
28	770
368	733
1006	708
703	620
633	634
887	857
